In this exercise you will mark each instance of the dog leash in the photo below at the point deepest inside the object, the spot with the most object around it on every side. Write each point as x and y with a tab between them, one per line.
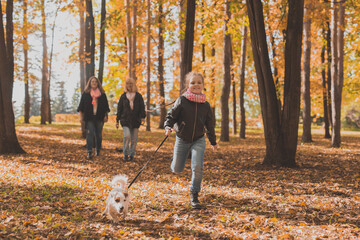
147	162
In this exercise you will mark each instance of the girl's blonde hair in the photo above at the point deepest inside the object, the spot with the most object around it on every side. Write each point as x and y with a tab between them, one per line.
134	87
88	85
191	75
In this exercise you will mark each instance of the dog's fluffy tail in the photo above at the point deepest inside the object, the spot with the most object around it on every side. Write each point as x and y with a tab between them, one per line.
119	181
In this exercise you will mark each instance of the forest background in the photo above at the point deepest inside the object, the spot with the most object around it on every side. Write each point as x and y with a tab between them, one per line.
62	36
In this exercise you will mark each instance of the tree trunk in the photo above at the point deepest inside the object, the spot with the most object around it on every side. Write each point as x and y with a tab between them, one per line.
306	114
292	80
129	41
325	93
242	83
161	51
89	41
280	130
234	128
329	73
8	139
212	88
102	40
45	81
148	67
26	64
181	43
224	136
187	54
51	58
133	45
82	57
337	68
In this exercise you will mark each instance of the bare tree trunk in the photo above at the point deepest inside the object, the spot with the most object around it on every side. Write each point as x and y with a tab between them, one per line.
82	57
212	89
325	92
82	46
187	54
281	131
148	67
334	68
26	64
242	83
181	42
52	42
306	136
234	128
45	82
134	30
292	80
102	40
203	56
337	69
329	73
89	41
161	51
129	40
8	139
224	136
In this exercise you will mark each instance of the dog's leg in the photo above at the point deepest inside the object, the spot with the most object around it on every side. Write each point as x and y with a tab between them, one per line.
104	213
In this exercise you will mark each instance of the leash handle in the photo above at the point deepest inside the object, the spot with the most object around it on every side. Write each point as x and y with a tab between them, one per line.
147	162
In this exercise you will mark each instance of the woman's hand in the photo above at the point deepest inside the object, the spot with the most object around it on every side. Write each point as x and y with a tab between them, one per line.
214	147
117	125
142	121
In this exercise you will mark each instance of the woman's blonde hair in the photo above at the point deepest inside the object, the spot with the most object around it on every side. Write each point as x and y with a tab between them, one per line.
134	87
191	75
88	85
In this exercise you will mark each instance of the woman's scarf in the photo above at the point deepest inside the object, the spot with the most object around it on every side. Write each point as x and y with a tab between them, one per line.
95	94
131	97
199	98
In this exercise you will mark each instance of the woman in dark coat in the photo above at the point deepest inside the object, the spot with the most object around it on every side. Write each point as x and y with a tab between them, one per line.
131	114
93	109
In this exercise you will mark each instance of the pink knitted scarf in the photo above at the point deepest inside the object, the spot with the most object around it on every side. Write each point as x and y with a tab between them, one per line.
199	98
95	94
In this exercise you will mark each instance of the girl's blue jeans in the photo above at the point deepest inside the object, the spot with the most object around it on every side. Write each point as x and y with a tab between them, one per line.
130	141
181	151
94	128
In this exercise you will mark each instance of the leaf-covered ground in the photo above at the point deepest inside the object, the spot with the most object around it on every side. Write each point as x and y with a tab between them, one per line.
54	192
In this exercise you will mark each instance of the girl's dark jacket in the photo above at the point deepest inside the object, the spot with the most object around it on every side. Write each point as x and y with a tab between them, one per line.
86	107
127	117
192	120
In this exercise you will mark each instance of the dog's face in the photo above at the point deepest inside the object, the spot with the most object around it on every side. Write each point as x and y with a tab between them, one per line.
119	200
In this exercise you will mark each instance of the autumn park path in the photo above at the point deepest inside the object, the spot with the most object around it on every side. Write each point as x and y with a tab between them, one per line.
54	192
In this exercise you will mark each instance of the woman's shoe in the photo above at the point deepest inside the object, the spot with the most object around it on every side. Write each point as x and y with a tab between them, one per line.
89	156
126	158
131	158
97	152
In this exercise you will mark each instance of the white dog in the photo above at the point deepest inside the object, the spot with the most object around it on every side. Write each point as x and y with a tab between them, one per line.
118	199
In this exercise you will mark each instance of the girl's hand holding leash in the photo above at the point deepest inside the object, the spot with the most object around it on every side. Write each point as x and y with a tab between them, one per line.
168	131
